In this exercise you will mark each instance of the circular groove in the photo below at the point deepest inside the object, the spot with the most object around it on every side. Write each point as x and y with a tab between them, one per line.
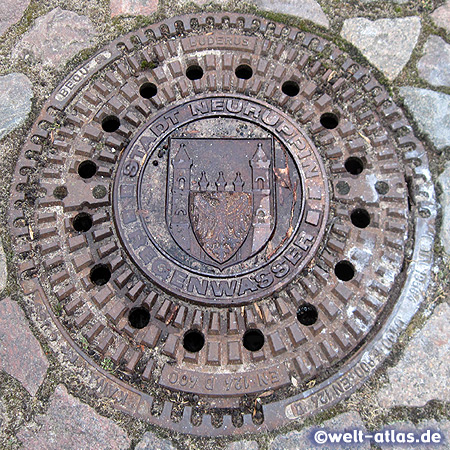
60	192
343	187
382	187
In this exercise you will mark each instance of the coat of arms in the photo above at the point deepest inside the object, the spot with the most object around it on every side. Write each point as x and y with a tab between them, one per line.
220	197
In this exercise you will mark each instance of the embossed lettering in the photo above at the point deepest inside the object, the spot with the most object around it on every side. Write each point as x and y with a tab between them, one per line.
247	285
223	287
161	269
200	107
200	287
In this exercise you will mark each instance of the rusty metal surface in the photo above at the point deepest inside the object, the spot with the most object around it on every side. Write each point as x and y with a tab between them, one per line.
208	176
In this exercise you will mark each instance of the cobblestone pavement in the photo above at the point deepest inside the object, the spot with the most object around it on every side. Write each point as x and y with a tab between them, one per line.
407	41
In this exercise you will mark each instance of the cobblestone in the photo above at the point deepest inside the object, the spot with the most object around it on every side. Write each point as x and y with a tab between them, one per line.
152	442
55	38
434	66
20	353
391	1
441	16
306	9
71	425
431	110
133	7
302	440
10	12
386	43
243	445
16	92
444	181
421	374
3	269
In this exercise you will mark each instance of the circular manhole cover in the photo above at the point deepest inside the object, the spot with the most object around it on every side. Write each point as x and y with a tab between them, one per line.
222	224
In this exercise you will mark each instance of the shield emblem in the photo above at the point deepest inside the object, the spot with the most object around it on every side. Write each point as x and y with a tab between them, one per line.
221	221
220	197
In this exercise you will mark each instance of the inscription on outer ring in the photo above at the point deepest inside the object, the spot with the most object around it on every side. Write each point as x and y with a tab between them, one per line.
218	289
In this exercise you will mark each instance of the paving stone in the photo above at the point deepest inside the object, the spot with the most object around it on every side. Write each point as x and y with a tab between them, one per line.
152	442
16	92
431	110
20	353
392	1
3	269
386	43
133	7
10	12
443	427
301	440
434	66
243	445
421	374
71	425
444	181
441	16
55	38
306	9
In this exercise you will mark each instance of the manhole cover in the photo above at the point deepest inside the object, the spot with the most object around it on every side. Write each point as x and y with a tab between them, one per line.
222	224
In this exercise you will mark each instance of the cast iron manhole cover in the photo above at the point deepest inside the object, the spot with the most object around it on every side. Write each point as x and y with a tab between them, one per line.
222	224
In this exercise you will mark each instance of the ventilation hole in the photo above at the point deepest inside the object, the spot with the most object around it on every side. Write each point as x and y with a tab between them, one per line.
155	163
110	124
360	218
354	165
100	274
87	169
194	72
382	187
82	222
329	120
244	72
148	90
290	88
60	192
253	340
139	317
193	341
307	314
343	188
344	270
